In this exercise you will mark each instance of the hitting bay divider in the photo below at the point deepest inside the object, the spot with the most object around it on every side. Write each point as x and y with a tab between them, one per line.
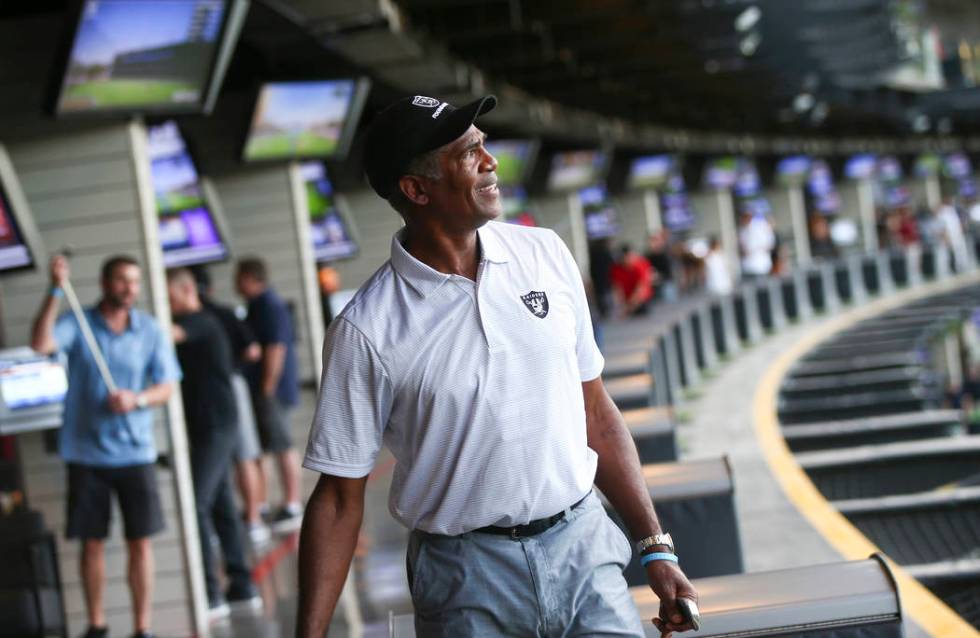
855	599
925	608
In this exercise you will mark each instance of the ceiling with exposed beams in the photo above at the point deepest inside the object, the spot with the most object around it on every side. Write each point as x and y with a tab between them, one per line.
828	67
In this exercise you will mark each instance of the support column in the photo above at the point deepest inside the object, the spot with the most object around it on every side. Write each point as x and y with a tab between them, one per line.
729	236
580	241
866	212
176	427
314	326
651	206
801	233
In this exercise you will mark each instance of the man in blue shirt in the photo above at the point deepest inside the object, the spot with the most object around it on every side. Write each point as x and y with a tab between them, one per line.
107	437
273	383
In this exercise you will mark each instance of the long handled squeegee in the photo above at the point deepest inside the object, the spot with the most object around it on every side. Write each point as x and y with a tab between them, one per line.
93	345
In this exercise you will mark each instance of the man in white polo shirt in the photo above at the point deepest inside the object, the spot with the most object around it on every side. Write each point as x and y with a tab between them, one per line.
470	355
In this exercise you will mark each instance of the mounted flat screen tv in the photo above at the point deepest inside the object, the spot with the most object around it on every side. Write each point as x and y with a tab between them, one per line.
651	171
793	170
927	165
600	214
957	166
329	229
888	169
514	159
675	207
860	166
820	188
747	183
721	173
149	56
20	245
313	119
574	170
189	231
516	206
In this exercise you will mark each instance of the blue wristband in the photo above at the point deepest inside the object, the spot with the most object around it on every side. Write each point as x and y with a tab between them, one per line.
646	559
56	292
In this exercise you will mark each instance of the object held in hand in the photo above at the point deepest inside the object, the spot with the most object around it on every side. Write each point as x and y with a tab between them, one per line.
689	610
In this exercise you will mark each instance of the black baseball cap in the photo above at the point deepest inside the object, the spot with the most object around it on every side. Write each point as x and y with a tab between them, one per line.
411	127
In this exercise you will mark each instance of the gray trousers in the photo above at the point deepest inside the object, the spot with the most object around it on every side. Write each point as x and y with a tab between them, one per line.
566	581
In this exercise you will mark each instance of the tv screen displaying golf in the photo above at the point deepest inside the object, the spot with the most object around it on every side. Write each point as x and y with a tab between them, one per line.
651	171
721	172
188	233
514	159
576	169
295	120
332	239
793	170
147	55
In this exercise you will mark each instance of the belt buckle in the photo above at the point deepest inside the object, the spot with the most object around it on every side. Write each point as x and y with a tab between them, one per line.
514	535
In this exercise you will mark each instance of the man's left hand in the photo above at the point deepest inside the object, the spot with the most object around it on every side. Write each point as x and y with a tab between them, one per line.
122	401
669	583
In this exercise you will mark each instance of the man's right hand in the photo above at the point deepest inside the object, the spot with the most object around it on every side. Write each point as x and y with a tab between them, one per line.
59	270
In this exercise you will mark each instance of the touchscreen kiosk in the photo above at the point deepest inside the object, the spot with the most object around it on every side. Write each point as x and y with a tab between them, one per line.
20	245
329	228
188	228
32	391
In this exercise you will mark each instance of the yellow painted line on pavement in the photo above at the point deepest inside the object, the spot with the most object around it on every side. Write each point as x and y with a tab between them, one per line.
929	612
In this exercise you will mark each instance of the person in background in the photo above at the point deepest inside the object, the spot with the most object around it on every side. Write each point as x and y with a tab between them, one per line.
632	278
601	261
273	381
756	240
821	245
212	429
248	452
658	254
949	230
107	436
329	281
717	279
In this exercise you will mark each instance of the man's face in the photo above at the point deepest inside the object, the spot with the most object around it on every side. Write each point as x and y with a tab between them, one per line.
467	194
177	292
122	287
247	286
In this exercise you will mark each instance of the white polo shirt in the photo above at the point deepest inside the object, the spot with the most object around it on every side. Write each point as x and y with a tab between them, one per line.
474	386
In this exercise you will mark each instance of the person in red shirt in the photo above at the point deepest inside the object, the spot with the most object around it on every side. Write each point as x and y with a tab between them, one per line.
632	277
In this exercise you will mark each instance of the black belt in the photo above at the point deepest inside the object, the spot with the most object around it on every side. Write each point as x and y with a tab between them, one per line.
532	528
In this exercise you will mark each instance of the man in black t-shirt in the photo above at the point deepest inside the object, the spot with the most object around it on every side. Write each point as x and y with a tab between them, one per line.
211	415
245	350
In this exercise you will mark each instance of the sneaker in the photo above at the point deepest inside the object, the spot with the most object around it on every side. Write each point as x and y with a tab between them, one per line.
96	632
243	598
258	533
218	610
289	518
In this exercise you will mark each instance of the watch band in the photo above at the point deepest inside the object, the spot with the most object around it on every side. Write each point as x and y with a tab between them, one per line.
656	539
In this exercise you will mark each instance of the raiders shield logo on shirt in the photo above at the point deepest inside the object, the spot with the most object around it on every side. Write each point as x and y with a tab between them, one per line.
537	303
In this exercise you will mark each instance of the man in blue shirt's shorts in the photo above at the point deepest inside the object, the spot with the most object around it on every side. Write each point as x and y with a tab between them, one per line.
107	437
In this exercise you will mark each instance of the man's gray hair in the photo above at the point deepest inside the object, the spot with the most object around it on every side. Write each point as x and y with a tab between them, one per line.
426	165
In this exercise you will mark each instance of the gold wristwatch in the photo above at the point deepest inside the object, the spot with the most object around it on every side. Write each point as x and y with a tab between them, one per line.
657	539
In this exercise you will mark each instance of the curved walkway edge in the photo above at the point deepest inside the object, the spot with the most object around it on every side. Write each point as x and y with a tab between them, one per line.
926	610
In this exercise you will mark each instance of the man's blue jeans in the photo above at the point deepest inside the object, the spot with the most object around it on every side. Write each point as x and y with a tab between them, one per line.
566	581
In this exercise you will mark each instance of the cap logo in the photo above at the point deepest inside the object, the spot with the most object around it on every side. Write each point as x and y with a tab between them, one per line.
439	110
428	102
